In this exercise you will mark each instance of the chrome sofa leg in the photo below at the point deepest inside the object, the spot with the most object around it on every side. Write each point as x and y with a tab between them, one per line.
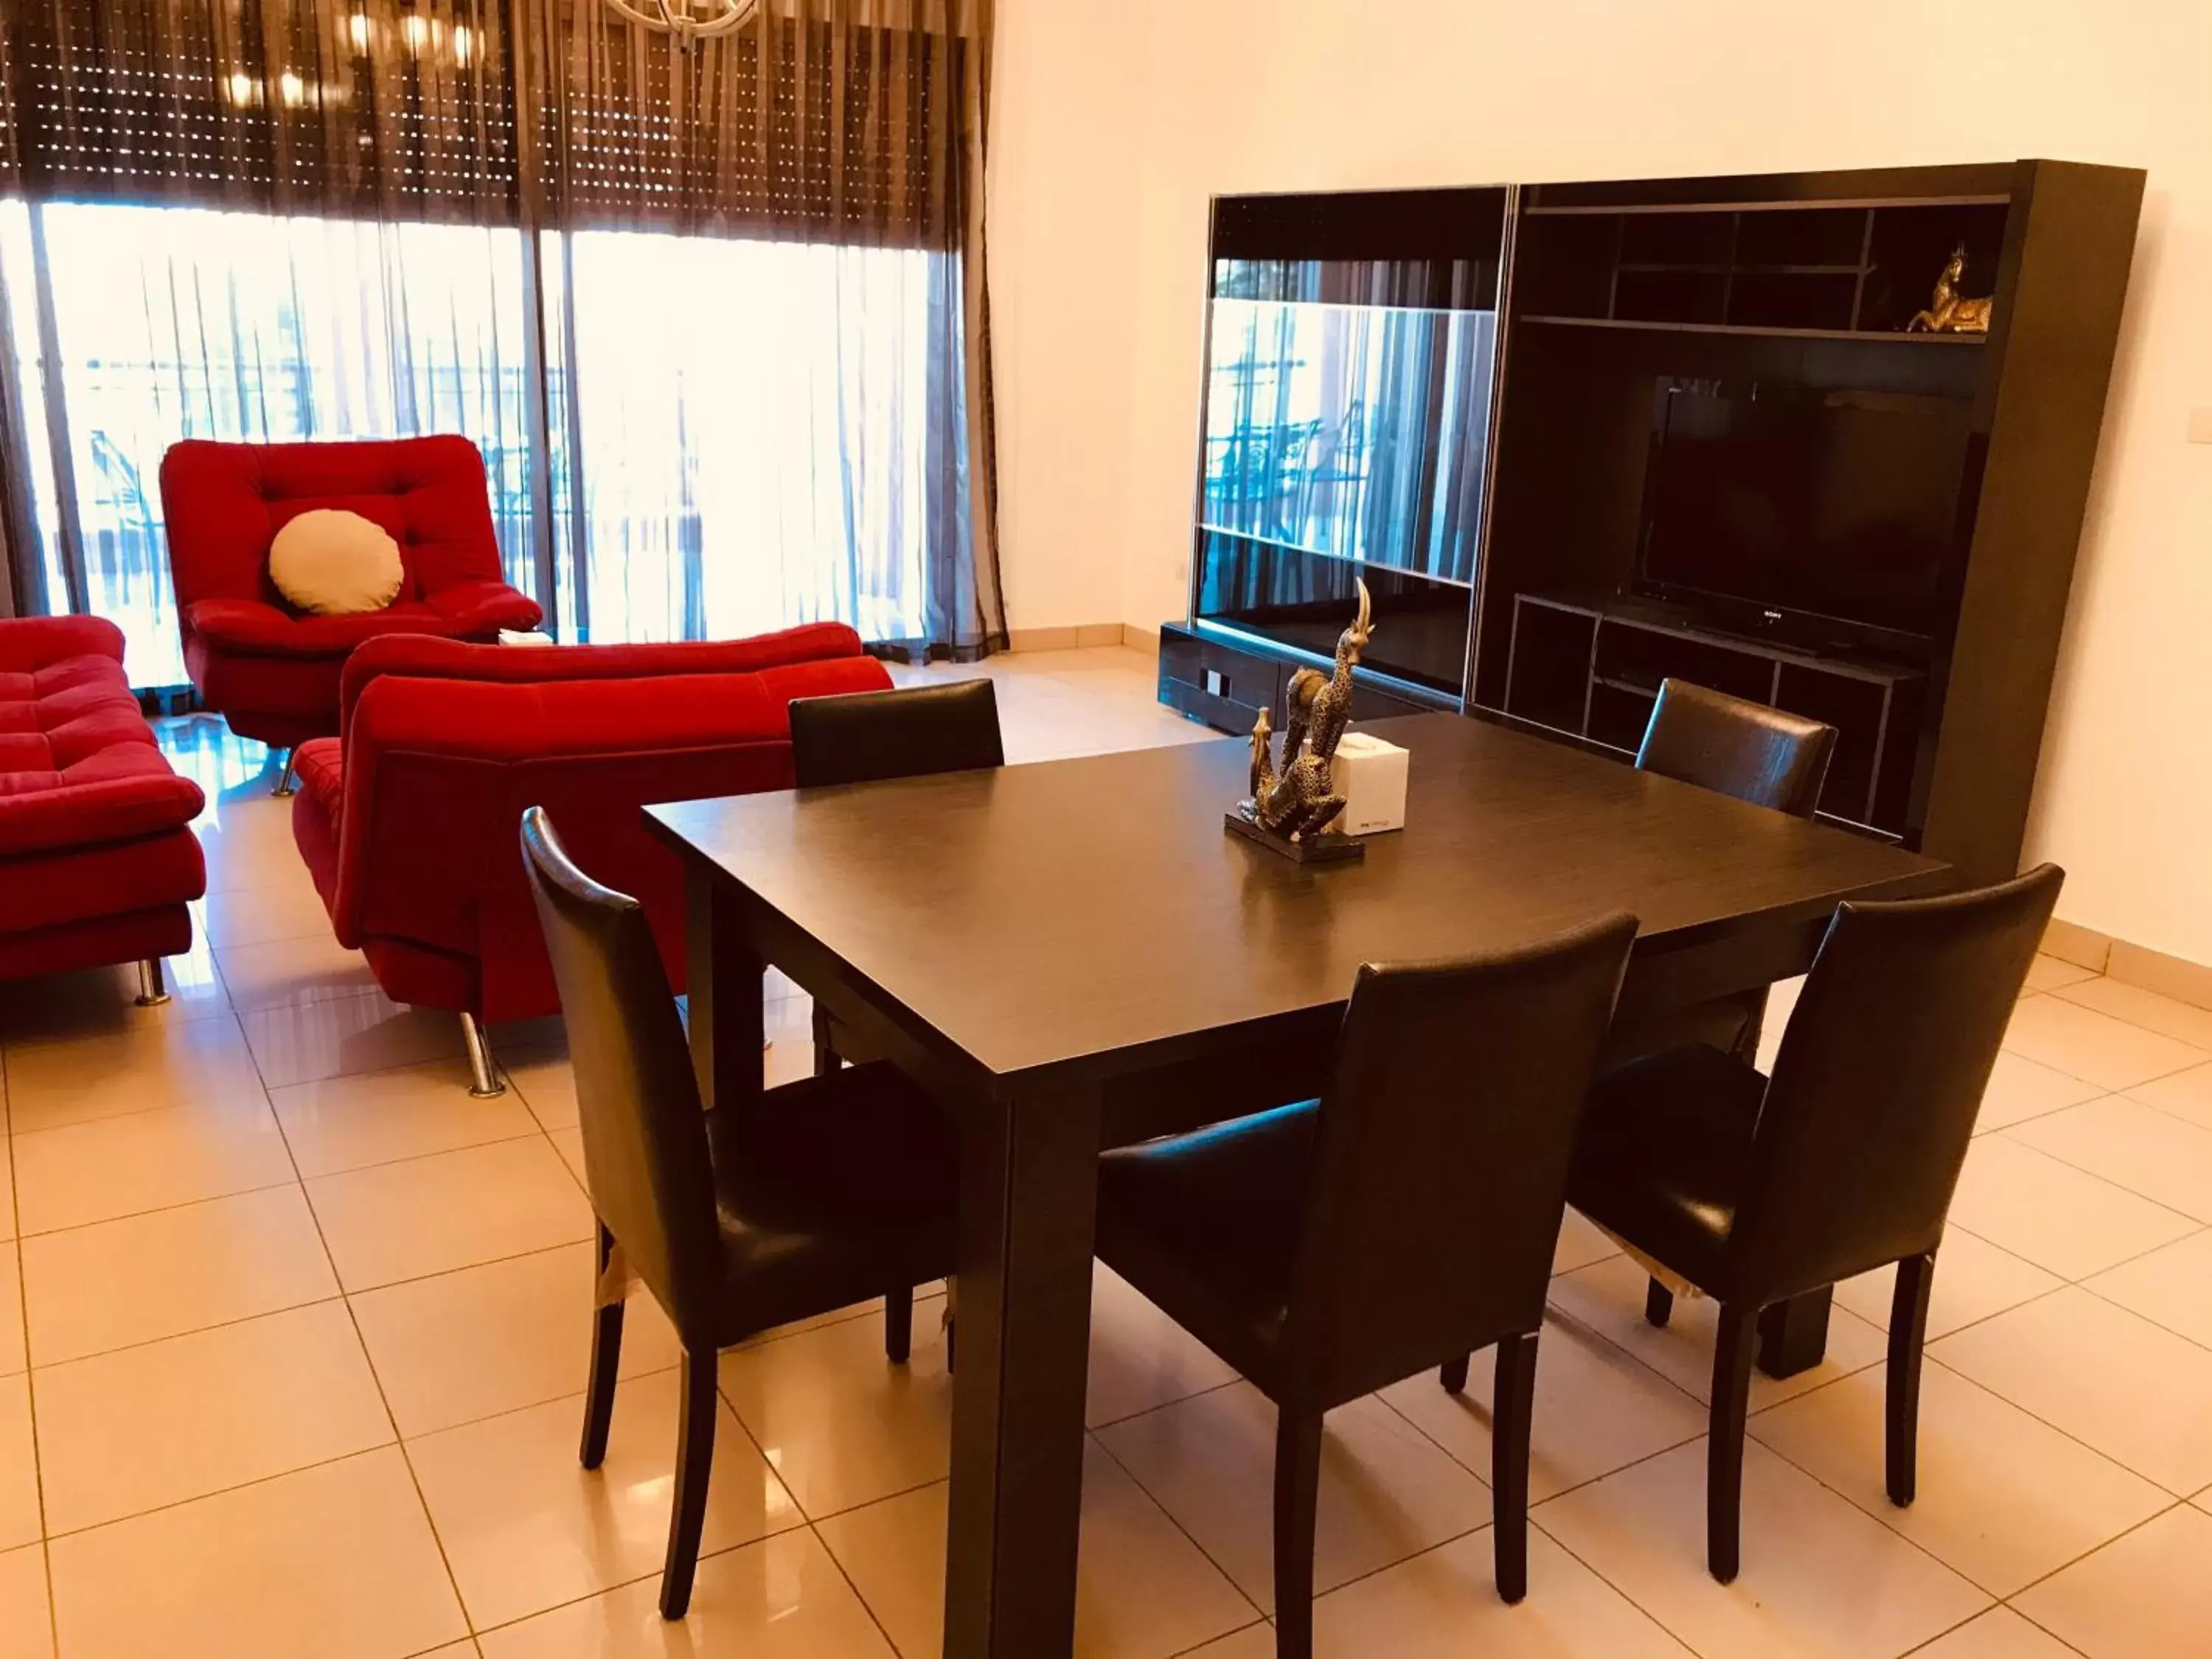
483	1076
285	785
153	992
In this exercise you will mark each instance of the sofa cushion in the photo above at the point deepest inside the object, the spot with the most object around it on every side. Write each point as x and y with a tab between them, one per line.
78	763
331	562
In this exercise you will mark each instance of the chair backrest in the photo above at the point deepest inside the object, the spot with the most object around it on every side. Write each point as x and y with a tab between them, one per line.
645	1138
224	503
895	734
1881	1073
1440	1166
1743	748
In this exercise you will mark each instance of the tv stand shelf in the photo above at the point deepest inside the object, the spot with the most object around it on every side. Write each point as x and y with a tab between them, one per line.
1589	665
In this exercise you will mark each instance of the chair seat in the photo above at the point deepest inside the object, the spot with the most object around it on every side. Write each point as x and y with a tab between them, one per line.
832	1191
1207	1225
1665	1156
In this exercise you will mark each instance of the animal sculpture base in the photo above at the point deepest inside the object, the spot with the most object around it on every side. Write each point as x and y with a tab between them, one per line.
1313	849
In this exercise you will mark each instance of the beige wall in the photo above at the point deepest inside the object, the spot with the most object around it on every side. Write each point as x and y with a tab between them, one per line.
1115	125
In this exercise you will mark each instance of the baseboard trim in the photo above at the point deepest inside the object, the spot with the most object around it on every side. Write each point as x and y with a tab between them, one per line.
2130	964
1080	636
2082	946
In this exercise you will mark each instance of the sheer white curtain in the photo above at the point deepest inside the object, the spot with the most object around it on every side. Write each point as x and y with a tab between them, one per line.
165	323
752	420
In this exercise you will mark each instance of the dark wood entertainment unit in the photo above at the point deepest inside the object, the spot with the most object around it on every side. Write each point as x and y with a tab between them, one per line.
1781	287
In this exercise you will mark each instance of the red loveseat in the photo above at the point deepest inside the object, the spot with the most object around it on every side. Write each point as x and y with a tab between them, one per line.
409	819
97	858
271	670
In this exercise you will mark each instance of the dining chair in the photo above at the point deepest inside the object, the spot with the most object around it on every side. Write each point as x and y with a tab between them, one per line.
868	737
1757	754
1403	1220
863	737
797	1201
1755	1190
1748	750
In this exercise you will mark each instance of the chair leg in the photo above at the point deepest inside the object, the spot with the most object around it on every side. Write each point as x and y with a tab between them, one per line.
1908	1332
153	990
898	1325
1298	1490
285	783
825	1051
1658	1305
1739	1343
695	1461
1453	1375
483	1077
1512	1416
606	1361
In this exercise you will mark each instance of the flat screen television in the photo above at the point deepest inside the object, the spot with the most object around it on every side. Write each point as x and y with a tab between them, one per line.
1831	517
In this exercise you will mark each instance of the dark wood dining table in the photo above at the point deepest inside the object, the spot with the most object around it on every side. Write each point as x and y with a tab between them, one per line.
1072	954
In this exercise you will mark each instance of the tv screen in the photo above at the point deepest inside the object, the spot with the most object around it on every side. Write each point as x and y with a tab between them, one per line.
1808	507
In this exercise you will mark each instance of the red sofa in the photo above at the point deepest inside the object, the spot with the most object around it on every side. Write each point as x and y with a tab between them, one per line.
271	670
408	819
97	858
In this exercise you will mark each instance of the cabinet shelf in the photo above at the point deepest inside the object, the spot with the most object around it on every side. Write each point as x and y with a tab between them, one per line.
1755	329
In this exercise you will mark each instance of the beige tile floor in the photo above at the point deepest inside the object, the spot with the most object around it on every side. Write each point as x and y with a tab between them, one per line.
292	1339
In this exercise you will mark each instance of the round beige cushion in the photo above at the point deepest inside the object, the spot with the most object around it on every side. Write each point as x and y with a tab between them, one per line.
335	563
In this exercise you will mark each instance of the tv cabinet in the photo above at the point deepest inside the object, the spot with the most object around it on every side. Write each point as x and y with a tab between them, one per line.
1589	665
1807	282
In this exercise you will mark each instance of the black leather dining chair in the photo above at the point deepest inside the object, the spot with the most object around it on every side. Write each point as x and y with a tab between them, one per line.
1748	750
1756	1190
1757	754
802	1200
1403	1220
867	737
863	737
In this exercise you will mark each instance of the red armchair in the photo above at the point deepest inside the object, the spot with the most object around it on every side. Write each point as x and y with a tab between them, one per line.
409	819
271	670
97	858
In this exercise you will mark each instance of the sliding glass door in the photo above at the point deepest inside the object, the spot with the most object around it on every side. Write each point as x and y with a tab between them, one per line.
739	432
134	327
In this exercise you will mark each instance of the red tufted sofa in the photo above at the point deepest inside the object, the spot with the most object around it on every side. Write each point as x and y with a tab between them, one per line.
97	858
407	820
272	671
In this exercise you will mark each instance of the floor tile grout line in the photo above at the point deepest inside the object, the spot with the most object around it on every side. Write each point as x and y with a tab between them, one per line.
2064	1163
30	1385
2076	1561
368	1362
2060	1158
161	1209
1175	1520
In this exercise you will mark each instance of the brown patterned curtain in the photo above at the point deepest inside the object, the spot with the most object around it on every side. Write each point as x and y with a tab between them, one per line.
853	129
364	108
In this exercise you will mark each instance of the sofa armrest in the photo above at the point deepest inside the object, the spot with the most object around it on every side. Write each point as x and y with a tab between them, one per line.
485	607
245	625
90	814
30	643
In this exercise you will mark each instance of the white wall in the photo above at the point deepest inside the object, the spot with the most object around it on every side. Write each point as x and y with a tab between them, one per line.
1113	126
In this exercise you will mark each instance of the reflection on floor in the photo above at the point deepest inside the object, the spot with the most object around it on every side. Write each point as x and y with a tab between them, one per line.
295	1337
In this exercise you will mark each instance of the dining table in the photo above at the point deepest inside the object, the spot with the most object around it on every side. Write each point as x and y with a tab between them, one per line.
1069	955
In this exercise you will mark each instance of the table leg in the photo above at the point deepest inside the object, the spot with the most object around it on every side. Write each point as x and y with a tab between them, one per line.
722	977
1028	1190
1792	1335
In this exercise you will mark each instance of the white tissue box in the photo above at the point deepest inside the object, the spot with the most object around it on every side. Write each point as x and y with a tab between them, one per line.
524	636
1370	774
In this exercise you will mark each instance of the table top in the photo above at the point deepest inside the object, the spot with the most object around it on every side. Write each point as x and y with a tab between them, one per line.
1090	917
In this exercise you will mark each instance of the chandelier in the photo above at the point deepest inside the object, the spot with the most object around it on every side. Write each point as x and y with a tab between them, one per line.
689	21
